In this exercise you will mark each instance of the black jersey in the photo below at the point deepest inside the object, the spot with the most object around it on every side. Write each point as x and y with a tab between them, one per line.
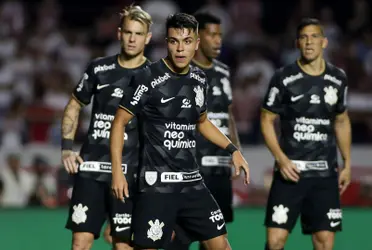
106	81
212	159
168	106
307	106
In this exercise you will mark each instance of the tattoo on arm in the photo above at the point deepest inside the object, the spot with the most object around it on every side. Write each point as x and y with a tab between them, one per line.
70	119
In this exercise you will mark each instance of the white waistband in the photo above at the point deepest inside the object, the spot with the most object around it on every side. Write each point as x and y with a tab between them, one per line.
100	167
215	161
311	165
172	177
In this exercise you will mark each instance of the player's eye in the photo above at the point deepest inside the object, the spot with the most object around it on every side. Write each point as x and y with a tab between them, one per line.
188	41
172	41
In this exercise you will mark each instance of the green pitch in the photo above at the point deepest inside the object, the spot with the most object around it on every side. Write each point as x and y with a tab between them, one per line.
39	229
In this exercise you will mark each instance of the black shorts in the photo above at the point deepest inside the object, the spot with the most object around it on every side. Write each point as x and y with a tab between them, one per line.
156	214
316	199
92	203
220	187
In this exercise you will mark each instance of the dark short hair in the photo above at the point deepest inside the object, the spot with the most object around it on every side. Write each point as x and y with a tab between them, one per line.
306	22
182	21
205	18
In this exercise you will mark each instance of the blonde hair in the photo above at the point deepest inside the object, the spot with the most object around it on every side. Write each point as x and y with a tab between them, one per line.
136	13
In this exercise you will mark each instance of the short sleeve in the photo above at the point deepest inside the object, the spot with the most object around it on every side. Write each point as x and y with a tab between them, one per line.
274	95
83	92
341	105
137	94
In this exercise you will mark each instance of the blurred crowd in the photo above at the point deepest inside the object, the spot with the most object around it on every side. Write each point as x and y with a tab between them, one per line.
46	45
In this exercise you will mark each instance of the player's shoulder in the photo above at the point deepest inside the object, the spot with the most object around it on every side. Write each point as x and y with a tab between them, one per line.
288	73
334	70
221	67
289	69
103	64
196	70
154	73
103	60
198	74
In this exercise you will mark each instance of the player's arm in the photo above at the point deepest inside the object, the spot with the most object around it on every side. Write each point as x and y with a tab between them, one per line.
81	96
233	132
271	109
342	127
70	122
214	135
232	128
133	101
122	118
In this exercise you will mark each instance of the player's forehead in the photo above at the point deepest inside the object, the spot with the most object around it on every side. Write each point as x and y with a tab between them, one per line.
134	25
311	29
212	28
181	33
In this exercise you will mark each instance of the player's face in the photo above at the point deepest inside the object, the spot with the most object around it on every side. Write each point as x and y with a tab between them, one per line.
211	40
311	42
133	37
182	44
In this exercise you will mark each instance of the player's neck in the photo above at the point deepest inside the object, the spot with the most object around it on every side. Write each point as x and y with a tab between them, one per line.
314	68
175	69
131	62
201	60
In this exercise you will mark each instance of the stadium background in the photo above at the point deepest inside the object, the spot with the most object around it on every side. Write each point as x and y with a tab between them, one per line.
45	45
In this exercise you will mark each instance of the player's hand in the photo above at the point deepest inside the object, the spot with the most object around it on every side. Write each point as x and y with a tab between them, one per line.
288	170
70	160
119	186
240	164
344	179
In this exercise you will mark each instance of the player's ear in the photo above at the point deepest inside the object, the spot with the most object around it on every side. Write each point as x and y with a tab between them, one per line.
197	43
324	43
119	33
148	37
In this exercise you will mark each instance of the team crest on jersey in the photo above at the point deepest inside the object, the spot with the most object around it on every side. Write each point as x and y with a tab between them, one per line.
151	177
155	231
330	96
199	97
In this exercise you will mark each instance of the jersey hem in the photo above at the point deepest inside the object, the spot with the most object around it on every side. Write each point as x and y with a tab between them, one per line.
77	99
122	107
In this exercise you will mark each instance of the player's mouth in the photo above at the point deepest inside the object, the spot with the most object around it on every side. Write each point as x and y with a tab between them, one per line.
216	50
180	58
131	47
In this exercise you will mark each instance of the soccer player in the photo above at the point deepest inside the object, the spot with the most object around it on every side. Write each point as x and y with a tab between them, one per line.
214	162
309	97
169	99
106	80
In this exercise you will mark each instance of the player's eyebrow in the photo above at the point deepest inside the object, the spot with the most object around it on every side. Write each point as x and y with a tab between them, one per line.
178	40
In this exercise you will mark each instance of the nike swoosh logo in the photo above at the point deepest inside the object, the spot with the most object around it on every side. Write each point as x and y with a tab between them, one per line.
219	227
102	86
166	100
335	224
120	229
295	98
